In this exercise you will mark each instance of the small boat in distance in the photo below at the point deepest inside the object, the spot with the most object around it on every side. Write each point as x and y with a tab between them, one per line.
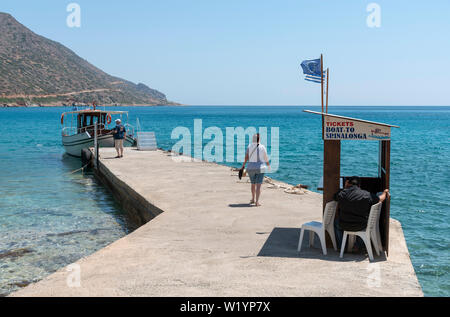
80	133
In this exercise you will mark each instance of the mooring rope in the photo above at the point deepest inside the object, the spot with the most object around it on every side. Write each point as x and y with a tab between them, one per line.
80	169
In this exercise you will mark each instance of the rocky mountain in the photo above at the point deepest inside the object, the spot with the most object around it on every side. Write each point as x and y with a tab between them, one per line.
39	71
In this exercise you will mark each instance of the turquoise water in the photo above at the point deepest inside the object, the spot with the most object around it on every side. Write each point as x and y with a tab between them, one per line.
48	218
59	218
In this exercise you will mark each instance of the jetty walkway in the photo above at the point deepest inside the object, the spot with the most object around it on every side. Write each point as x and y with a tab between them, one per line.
207	241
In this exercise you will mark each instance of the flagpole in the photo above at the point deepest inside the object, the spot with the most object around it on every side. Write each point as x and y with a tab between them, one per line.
321	86
321	76
328	80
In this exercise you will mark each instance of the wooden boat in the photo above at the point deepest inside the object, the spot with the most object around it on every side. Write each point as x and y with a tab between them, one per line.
80	133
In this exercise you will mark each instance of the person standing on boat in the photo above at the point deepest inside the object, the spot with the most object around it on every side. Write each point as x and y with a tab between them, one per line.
258	161
120	133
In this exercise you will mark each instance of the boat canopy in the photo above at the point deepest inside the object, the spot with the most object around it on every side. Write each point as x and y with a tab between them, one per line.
86	117
87	111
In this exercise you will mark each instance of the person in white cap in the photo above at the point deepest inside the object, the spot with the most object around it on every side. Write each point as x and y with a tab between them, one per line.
120	133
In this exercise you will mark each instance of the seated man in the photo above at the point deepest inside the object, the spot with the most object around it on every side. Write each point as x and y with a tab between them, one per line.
354	209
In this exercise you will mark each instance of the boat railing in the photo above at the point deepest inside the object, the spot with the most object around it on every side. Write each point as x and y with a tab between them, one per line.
69	131
130	129
74	130
90	128
138	124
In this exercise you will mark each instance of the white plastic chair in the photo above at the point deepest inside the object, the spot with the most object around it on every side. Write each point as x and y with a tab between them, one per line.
320	228
376	239
377	236
371	234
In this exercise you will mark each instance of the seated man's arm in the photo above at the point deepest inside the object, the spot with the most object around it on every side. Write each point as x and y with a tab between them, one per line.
384	195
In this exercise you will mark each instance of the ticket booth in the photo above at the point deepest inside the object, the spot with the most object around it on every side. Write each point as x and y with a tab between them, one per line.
338	128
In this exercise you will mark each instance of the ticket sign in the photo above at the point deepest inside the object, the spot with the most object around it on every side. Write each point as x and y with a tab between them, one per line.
336	128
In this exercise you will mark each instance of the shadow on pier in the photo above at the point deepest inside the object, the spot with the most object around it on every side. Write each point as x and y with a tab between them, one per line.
283	242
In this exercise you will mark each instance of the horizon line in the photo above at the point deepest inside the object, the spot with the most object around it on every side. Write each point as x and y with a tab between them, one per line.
268	105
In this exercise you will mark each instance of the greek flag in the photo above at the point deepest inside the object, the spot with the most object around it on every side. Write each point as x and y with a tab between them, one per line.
311	69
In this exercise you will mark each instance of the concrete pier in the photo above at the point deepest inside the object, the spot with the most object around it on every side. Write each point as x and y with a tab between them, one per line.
205	240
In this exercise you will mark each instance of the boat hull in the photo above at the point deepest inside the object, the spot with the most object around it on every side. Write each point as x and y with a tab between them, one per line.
74	144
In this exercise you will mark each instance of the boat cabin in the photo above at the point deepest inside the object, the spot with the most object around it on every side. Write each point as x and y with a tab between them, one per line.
84	121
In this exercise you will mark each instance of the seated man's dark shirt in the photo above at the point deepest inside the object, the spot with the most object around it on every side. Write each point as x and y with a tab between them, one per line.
354	207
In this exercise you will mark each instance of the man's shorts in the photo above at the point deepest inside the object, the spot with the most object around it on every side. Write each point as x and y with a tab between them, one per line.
118	143
255	177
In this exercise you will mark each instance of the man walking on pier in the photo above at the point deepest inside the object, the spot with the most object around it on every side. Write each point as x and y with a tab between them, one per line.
120	134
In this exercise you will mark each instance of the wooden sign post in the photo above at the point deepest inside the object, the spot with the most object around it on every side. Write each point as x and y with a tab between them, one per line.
331	169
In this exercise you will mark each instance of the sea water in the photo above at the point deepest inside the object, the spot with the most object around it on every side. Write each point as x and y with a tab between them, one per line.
49	218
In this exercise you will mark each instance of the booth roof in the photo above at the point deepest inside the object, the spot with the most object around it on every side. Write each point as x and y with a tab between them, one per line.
348	118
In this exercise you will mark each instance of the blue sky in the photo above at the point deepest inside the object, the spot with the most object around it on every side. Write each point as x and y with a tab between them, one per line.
246	52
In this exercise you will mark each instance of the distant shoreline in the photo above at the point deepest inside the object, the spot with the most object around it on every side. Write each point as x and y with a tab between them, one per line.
174	104
170	104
